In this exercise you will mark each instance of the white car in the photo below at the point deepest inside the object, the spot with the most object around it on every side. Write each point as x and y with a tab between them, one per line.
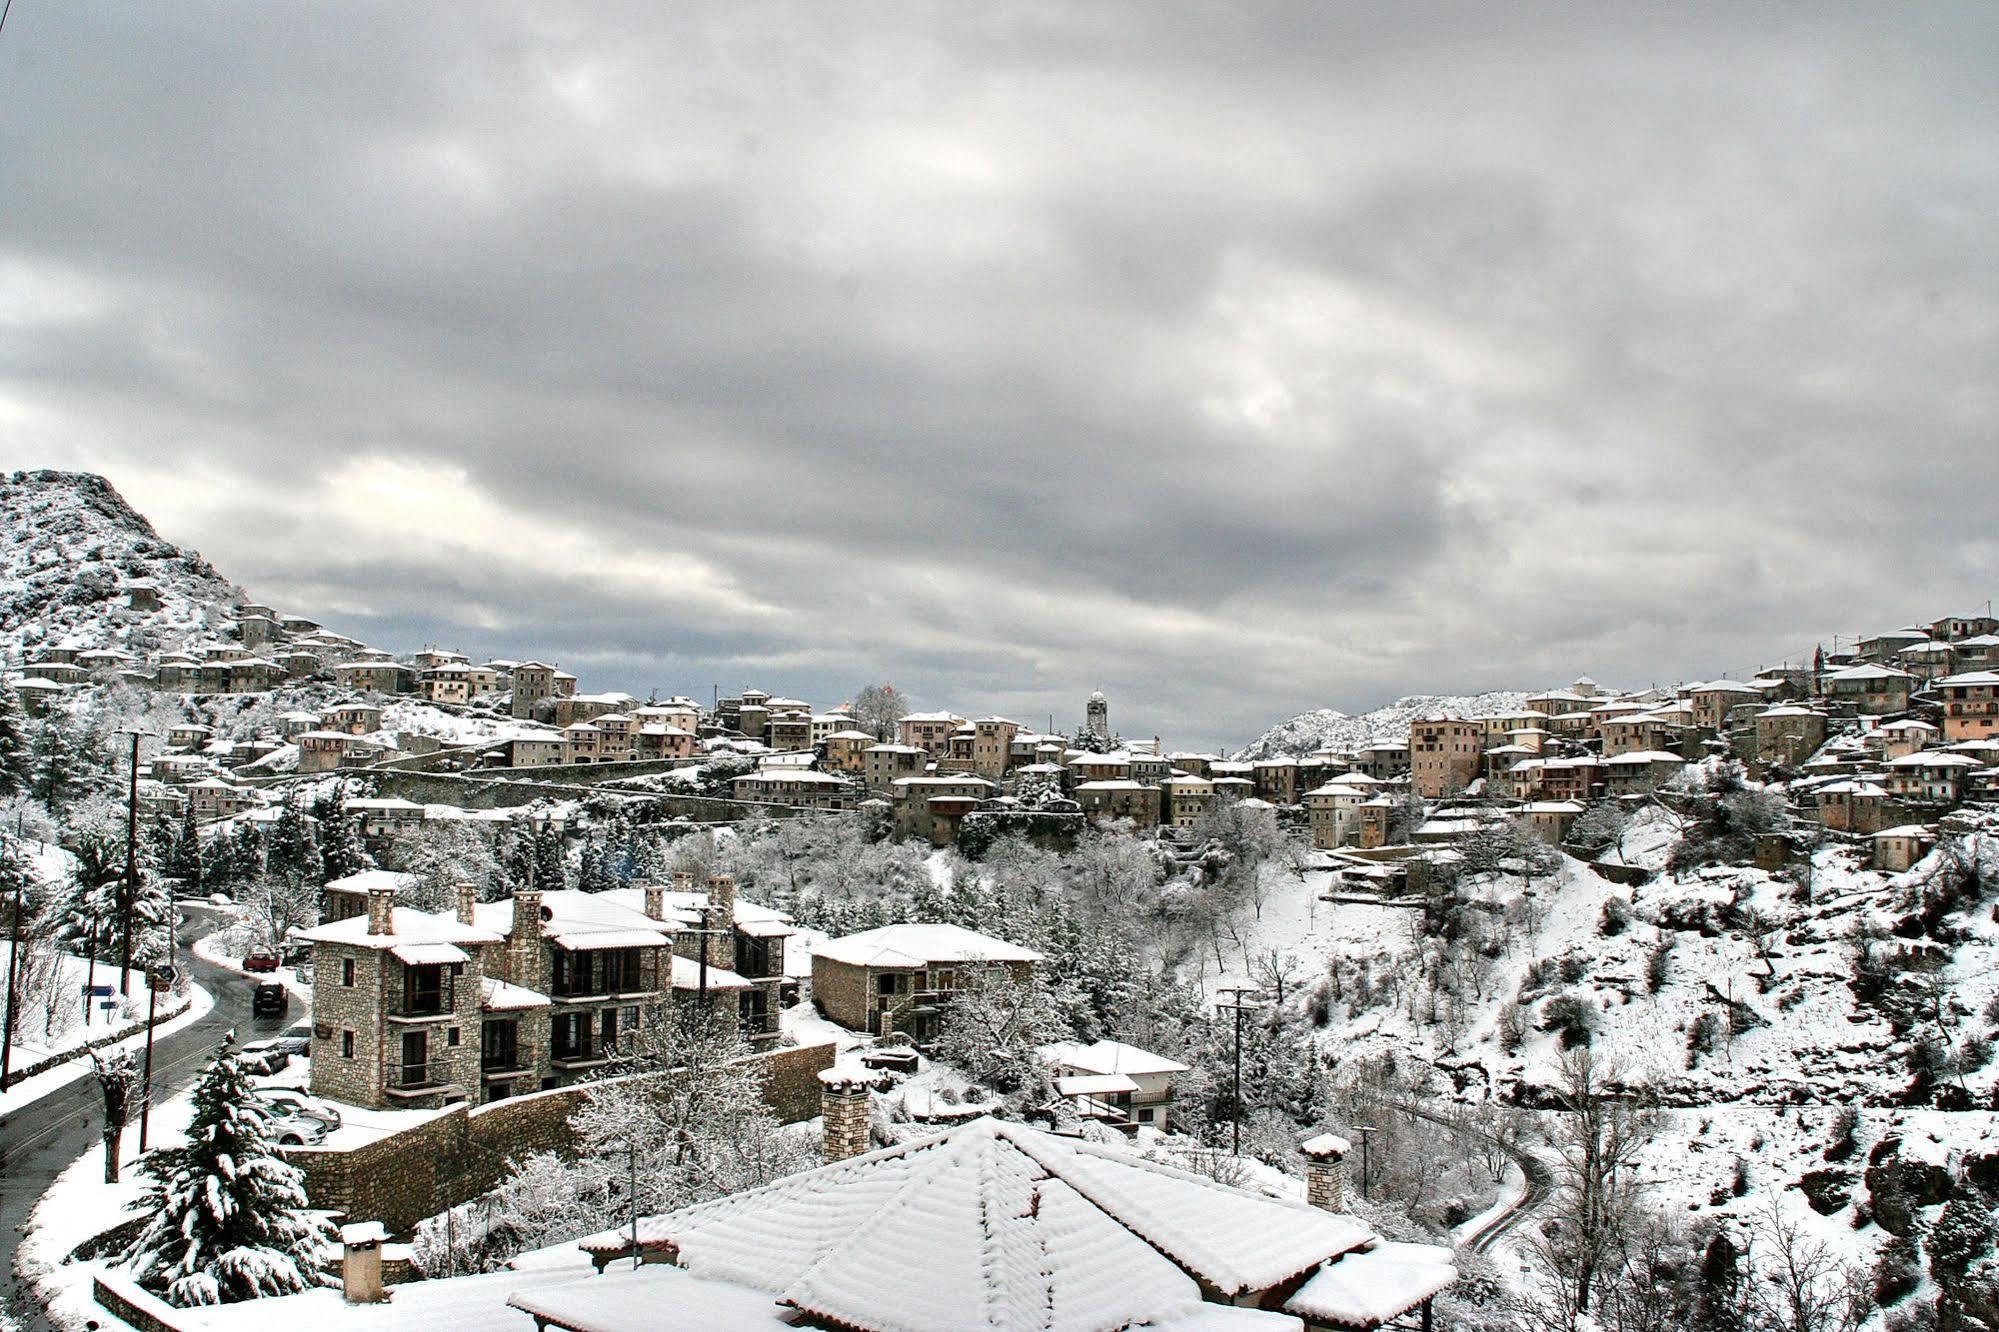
283	1101
293	1130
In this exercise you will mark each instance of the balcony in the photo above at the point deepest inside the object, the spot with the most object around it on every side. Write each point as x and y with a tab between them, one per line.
499	1065
427	1079
586	1054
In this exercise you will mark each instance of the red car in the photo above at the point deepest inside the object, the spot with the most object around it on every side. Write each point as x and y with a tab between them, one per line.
260	962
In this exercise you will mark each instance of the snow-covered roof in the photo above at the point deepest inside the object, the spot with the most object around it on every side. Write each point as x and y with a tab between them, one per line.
920	945
1929	758
498	996
428	954
1110	1057
1869	672
407	925
367	881
1907	830
1970	679
1374	1285
687	976
1645	757
1010	1227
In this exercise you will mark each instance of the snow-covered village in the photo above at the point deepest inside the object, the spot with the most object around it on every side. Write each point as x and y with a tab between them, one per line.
1247	667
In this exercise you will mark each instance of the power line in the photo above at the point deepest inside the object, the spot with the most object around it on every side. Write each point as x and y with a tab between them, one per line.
3	12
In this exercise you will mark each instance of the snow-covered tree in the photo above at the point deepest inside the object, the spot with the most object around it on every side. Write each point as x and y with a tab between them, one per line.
292	850
59	764
442	856
227	1217
340	849
116	1076
543	1200
878	710
681	1095
16	761
276	904
993	1027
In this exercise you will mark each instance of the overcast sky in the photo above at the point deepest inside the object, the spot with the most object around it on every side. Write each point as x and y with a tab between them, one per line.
1231	359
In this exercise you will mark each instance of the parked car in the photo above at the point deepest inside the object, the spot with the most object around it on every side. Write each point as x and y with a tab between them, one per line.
291	1101
270	1000
260	961
295	1040
263	1058
294	1130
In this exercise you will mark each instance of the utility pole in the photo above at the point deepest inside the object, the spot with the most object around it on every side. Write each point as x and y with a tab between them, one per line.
13	969
1366	1132
1246	997
131	863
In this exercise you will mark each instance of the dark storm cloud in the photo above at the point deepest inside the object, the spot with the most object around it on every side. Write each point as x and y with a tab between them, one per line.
1232	359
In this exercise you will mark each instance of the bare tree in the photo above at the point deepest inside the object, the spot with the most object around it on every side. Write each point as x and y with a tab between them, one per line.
878	709
1804	1286
1597	1133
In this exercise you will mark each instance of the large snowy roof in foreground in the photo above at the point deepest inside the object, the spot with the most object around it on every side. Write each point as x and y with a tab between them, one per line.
1008	1226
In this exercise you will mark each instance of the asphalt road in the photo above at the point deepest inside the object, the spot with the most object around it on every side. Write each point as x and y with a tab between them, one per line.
39	1141
1540	1180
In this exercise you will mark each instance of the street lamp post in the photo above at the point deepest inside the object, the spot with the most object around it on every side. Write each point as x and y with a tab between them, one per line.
1245	997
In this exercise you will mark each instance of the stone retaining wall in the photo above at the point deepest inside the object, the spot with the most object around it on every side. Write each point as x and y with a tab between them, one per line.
459	1154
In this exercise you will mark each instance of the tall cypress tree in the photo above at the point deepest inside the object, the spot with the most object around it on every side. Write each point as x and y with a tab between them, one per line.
16	763
340	849
227	1216
293	852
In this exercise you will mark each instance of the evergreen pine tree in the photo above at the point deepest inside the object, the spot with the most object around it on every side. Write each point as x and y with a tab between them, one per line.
181	857
227	1216
550	871
340	849
57	766
293	852
16	761
593	869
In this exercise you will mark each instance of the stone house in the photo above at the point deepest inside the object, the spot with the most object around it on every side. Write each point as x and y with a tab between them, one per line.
1957	628
1869	689
1184	799
1898	849
1970	704
321	751
383	818
847	751
801	788
581	742
396	1006
1444	754
376	677
656	740
587	707
1787	734
1550	820
1089	767
1375	816
992	746
1895	739
884	765
533	752
1108	801
1333	813
1276	779
929	731
536	686
899	978
353	718
1712	701
1640	773
1114	1083
450	684
933	807
1931	776
1855	806
213	798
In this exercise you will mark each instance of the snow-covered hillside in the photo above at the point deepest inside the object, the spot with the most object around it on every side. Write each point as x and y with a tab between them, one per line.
70	548
1323	727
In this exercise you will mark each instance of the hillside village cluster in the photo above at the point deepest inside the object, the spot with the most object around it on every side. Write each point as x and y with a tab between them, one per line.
1880	740
503	1016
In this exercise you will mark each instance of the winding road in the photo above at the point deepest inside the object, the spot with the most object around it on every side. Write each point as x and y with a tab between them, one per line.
39	1141
1540	1180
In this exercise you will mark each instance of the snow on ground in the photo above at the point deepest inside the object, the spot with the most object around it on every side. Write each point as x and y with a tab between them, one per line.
29	1090
65	1024
80	1206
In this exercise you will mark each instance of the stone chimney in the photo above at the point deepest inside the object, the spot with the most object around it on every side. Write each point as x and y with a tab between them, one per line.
468	901
655	900
683	881
721	917
845	1098
361	1263
1326	1171
381	909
